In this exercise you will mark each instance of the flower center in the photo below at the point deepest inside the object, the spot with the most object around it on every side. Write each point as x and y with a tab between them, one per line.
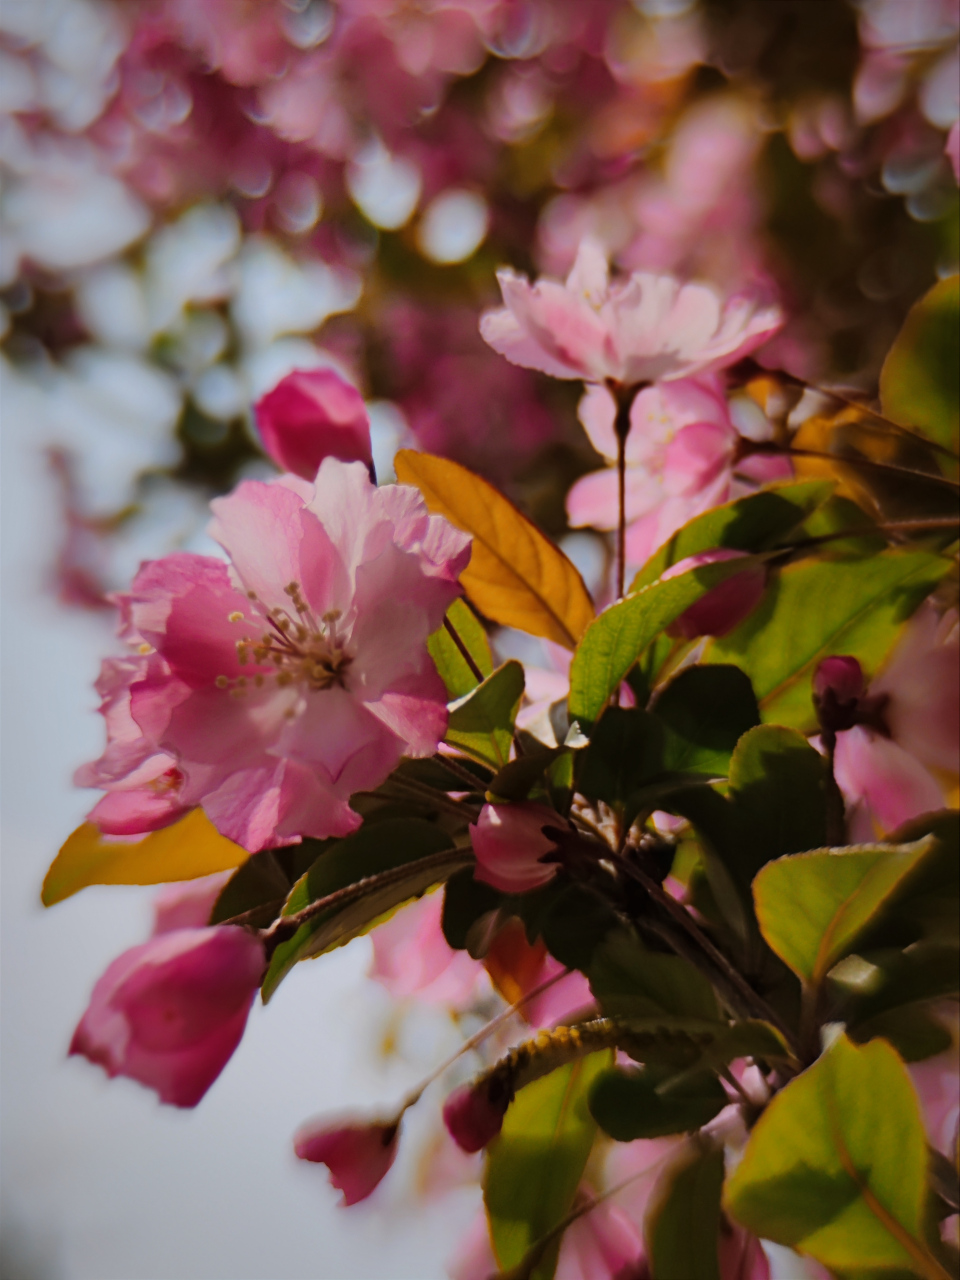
299	647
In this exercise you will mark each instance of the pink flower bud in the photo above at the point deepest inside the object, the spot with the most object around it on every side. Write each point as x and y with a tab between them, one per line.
474	1113
312	414
839	678
723	607
357	1154
509	842
170	1012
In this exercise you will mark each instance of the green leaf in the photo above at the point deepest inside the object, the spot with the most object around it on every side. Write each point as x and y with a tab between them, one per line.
613	641
445	652
654	1101
263	881
753	523
465	902
373	849
918	381
629	981
535	1166
626	750
706	709
573	922
813	907
927	904
836	1166
682	1222
817	607
775	804
482	723
517	779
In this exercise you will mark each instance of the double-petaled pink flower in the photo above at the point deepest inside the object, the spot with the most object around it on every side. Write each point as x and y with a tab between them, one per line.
272	689
642	328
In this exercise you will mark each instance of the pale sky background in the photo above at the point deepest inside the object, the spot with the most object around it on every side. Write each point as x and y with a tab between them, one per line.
100	1182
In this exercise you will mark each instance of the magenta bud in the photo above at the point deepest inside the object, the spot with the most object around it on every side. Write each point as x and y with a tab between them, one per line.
840	678
474	1113
313	414
357	1154
724	606
509	842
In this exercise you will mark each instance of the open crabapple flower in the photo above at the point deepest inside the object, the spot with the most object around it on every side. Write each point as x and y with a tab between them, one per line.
313	414
509	842
274	688
642	328
170	1012
358	1153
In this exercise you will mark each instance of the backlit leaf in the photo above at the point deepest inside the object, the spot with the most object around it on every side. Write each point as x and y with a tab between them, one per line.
534	1167
188	849
630	981
516	575
445	652
817	607
919	387
653	1102
482	723
753	523
687	1195
836	1166
613	641
812	907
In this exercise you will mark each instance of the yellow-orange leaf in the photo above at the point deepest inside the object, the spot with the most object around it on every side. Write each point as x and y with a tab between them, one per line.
190	848
516	575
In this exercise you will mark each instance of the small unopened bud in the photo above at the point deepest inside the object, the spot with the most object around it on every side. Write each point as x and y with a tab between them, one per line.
357	1154
838	687
509	842
474	1113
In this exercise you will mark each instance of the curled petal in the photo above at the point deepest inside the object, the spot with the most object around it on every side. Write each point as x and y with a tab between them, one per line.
358	1153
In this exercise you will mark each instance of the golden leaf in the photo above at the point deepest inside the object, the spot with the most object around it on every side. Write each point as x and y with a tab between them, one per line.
516	575
188	849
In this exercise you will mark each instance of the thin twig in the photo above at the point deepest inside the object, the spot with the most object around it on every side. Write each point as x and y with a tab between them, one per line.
453	764
285	927
479	1036
465	653
731	975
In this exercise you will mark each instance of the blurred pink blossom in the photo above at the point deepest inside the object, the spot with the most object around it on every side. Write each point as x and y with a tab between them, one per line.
312	414
357	1152
170	1012
411	957
952	148
299	675
888	780
187	904
681	456
644	328
509	842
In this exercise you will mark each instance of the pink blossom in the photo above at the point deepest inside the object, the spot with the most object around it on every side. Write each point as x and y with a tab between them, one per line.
298	675
644	328
358	1153
937	1081
170	1012
187	904
310	415
142	782
886	780
509	842
883	785
411	957
724	606
681	459
518	967
740	1255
